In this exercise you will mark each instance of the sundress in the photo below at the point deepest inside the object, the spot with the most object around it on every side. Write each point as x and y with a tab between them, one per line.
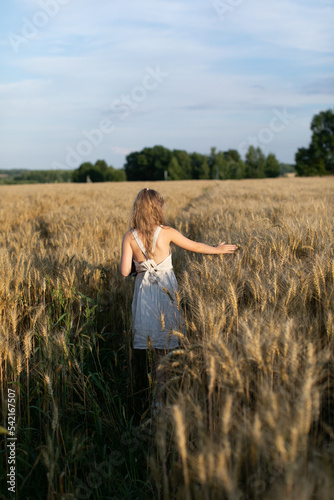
155	309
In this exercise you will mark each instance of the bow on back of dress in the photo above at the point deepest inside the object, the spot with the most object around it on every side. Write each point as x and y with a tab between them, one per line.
149	265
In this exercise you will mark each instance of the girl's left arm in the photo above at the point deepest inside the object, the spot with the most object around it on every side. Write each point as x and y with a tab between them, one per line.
126	259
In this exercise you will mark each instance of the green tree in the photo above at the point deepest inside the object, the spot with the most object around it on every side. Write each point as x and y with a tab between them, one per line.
131	167
322	127
100	172
94	174
184	161
40	176
218	165
235	165
174	170
115	175
272	166
307	163
80	174
318	158
102	166
159	159
148	164
255	163
199	166
226	165
212	162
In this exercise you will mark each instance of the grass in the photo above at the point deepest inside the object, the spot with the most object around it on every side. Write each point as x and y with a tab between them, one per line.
250	394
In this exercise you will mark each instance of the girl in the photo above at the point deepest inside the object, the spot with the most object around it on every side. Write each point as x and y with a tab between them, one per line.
155	308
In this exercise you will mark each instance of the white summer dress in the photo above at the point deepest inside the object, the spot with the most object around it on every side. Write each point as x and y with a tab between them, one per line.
154	306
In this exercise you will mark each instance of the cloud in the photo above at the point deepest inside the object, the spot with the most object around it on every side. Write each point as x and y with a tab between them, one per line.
295	24
22	87
122	151
323	86
225	75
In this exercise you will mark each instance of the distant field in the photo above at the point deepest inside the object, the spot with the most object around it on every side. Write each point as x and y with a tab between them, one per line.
250	397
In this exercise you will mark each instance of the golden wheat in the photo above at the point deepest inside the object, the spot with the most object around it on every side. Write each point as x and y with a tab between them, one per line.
252	386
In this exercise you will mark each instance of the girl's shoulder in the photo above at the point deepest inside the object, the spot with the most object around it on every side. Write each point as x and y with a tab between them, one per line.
128	235
167	233
166	230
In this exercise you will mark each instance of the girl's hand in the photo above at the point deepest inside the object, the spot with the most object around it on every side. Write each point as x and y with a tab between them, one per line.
226	248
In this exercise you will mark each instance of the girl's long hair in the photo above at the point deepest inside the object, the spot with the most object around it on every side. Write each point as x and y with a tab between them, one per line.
147	213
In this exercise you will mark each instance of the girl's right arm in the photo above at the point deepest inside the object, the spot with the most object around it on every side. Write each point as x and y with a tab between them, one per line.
126	258
194	246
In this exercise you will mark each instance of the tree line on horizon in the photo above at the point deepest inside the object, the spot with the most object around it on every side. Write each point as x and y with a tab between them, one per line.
159	163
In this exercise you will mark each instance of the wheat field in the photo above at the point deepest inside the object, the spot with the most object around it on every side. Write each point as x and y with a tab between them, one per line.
249	408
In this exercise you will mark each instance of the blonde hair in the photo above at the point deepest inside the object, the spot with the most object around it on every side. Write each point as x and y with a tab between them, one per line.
147	213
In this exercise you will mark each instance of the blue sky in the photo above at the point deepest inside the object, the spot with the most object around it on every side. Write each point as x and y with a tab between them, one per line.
83	80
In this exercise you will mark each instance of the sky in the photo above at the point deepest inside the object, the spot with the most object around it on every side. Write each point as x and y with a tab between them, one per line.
83	80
